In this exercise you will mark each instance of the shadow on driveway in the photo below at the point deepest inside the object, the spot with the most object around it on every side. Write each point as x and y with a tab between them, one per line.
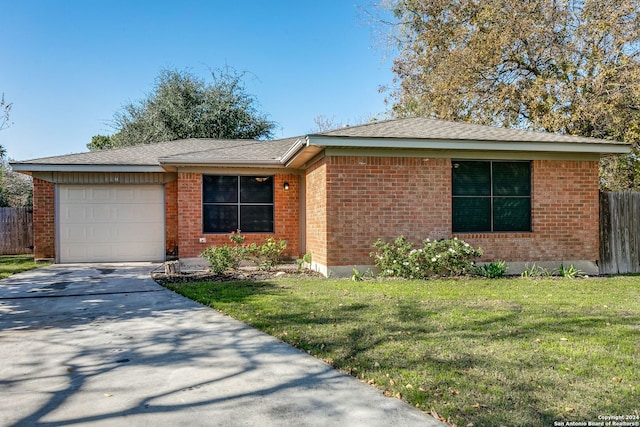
105	345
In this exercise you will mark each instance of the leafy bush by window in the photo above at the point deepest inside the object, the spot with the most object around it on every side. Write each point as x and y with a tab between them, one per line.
228	257
448	257
223	258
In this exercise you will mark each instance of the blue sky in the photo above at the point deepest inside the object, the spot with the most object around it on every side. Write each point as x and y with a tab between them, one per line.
68	66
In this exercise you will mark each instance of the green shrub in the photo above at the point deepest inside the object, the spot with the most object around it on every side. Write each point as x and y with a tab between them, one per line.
229	257
447	257
392	258
492	270
269	254
223	258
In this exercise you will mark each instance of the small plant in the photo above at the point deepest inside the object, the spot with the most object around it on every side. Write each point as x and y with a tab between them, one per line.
306	259
534	270
357	276
569	272
237	238
492	270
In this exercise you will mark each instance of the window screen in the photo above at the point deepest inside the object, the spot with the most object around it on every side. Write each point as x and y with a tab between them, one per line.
491	196
231	203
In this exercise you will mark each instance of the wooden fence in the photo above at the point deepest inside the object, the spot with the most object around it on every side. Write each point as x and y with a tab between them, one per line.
619	233
16	231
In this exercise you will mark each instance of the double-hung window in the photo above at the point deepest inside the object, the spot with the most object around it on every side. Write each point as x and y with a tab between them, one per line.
491	196
231	203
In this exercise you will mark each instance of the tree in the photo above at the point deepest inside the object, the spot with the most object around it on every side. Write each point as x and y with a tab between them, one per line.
5	109
566	66
100	142
325	123
16	189
182	105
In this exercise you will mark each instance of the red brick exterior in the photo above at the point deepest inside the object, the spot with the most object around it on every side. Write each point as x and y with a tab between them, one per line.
43	219
287	216
350	202
383	197
171	219
564	214
353	201
316	212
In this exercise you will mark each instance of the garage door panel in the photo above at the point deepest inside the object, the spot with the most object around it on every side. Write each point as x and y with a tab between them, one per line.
73	195
126	232
146	196
138	213
74	214
102	223
77	234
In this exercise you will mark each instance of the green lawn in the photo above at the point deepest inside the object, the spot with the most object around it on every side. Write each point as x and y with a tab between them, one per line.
486	352
12	264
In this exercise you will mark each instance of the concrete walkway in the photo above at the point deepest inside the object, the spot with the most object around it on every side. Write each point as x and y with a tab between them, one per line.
105	345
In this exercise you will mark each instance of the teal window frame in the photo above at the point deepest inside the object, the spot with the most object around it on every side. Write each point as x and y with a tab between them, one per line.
491	196
234	202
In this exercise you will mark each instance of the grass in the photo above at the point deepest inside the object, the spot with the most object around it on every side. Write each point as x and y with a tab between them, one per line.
12	264
481	352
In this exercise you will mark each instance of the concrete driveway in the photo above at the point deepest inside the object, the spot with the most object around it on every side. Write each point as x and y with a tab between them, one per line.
105	345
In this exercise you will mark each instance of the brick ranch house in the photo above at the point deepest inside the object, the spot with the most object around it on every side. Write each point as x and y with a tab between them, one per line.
522	196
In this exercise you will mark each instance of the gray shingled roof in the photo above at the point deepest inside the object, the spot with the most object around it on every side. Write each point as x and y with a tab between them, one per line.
201	149
425	128
246	151
216	151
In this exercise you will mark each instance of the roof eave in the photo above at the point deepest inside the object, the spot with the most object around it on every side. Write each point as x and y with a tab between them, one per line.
175	163
294	150
446	144
45	167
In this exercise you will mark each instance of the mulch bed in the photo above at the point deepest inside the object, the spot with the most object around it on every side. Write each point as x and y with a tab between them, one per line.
242	274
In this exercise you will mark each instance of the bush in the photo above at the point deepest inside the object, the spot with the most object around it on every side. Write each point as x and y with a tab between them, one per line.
492	270
223	258
226	257
268	254
447	257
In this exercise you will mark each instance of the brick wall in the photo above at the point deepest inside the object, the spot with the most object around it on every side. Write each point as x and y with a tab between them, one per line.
171	218
316	211
287	213
287	216
565	217
384	197
43	219
376	197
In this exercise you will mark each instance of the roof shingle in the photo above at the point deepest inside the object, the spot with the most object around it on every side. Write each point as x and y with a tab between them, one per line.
201	149
217	151
425	128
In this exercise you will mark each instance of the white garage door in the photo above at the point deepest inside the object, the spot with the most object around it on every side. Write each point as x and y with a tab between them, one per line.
105	223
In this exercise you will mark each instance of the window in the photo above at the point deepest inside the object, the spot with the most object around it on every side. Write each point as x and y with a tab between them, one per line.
491	196
231	203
